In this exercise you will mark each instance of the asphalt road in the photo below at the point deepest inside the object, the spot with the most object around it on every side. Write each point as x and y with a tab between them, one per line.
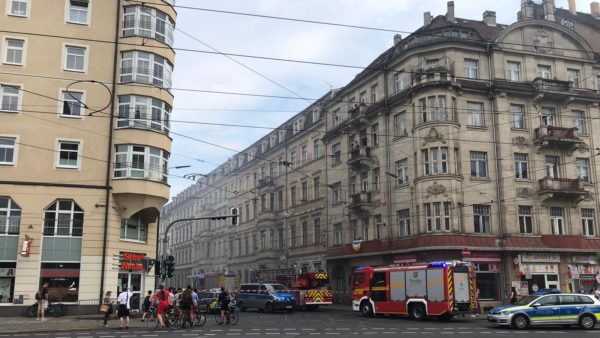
324	323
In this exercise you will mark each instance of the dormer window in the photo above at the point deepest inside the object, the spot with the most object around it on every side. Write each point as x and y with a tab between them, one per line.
272	141
431	63
316	115
281	136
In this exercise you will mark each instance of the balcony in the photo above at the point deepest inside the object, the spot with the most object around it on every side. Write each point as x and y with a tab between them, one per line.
360	202
357	116
555	90
441	73
266	182
359	156
552	137
561	189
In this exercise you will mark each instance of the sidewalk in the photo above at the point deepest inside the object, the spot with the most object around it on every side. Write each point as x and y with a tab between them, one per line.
67	323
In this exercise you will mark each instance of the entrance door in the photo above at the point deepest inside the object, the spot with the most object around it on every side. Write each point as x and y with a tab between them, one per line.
132	280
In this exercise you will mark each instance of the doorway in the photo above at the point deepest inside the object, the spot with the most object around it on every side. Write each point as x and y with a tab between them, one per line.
132	280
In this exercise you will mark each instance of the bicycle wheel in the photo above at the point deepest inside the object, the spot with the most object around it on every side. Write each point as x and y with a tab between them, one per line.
31	311
174	320
218	317
234	316
200	319
152	321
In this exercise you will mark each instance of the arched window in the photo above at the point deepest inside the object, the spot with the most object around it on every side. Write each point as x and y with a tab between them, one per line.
10	216
63	218
134	228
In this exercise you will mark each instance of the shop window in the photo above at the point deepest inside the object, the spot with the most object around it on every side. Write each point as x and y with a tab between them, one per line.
63	281
487	283
7	281
134	228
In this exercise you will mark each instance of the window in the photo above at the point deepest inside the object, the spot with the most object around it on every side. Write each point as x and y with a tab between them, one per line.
63	218
316	115
72	103
399	83
438	216
135	161
317	230
579	121
518	116
478	164
431	63
400	125
304	233
10	216
521	166
373	93
292	159
525	219
134	228
337	192
144	112
583	169
378	226
513	71
337	234
14	50
148	22
336	117
435	161
587	222
481	219
597	82
402	172
433	109
78	11
75	58
375	134
304	154
317	187
336	149
293	235
376	180
476	117
471	69
544	72
403	222
293	200
18	7
148	68
8	150
557	222
68	154
316	149
362	97
10	98
548	116
304	192
552	166
573	76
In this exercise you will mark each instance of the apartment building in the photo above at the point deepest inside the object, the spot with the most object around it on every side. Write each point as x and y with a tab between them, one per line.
84	145
465	140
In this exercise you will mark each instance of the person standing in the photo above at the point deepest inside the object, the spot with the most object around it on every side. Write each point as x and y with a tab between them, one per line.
42	298
148	300
186	302
513	295
163	303
107	301
124	307
223	301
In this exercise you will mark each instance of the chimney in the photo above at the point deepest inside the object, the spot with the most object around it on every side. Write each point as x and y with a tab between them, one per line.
397	38
426	18
595	9
450	15
572	7
526	11
548	9
489	18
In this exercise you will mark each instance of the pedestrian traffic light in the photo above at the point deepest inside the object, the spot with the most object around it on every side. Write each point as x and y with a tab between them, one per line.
157	266
170	266
235	218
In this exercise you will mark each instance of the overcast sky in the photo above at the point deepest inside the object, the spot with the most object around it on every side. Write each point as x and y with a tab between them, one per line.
227	33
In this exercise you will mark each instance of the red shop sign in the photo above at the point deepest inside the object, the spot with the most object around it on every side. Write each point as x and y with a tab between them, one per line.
132	261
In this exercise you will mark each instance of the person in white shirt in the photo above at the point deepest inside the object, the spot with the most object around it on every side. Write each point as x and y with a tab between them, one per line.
124	307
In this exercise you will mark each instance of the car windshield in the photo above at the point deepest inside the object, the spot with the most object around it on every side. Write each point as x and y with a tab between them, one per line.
277	287
525	301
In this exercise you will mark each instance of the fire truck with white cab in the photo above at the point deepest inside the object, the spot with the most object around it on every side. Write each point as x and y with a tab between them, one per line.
420	290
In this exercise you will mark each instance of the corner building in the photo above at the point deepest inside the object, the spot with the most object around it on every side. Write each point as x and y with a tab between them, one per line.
84	146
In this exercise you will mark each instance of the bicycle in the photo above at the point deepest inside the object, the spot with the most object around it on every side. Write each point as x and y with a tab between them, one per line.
232	314
55	309
200	318
171	319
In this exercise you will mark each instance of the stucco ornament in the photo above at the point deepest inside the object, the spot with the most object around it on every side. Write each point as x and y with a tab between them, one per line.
436	189
433	136
521	142
542	41
524	192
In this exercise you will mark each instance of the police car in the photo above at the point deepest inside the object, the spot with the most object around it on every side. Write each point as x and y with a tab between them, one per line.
549	309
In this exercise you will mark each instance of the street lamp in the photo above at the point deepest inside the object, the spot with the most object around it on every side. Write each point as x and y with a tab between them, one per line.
180	166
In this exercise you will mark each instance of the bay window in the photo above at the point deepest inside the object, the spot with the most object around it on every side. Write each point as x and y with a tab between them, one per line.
148	22
136	161
144	112
147	68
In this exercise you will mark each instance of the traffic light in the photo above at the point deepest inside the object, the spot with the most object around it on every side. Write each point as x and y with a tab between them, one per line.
157	267
235	219
170	266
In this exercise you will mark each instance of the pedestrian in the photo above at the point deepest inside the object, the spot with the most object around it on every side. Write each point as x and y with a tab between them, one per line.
42	299
223	301
124	307
107	301
597	293
185	304
148	300
195	298
513	295
581	289
163	303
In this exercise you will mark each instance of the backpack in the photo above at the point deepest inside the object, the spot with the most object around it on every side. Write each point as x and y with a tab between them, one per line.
147	301
38	296
186	300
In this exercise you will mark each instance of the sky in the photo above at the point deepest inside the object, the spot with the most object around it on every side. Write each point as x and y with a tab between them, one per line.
202	30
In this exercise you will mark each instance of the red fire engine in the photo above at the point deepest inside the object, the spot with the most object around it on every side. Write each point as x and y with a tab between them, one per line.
311	289
437	289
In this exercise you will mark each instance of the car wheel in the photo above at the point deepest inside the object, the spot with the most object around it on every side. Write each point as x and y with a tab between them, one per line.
520	322
587	322
269	308
417	312
365	309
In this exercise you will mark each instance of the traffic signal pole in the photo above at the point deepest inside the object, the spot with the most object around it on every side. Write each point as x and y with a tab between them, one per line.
165	240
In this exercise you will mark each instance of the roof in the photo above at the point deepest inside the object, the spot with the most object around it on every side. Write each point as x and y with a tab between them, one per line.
486	32
583	18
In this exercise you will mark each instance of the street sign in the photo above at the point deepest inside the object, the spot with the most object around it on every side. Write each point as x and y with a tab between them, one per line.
466	253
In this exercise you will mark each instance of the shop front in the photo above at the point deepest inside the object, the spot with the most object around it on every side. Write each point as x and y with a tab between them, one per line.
539	270
583	272
488	266
132	275
7	282
63	281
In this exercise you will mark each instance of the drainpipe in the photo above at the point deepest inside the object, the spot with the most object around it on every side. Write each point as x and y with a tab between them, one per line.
499	192
387	148
156	254
109	150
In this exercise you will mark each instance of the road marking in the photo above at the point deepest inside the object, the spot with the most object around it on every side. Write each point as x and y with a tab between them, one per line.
446	332
273	333
149	335
390	332
332	333
409	332
307	329
464	332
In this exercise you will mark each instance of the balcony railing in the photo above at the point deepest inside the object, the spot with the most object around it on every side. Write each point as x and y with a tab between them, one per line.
550	85
558	137
562	189
140	170
266	182
360	200
359	156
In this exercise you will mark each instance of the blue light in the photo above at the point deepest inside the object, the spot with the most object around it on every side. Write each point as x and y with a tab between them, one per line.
359	268
438	264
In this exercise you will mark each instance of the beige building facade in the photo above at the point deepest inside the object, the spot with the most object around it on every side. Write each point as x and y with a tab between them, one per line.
467	139
84	145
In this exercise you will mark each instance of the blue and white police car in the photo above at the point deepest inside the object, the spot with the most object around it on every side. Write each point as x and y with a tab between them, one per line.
549	309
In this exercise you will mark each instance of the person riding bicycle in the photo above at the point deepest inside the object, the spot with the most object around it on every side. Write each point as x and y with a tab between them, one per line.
186	304
162	295
223	302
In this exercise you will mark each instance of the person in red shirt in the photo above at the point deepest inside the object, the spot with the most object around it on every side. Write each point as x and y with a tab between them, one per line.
163	303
